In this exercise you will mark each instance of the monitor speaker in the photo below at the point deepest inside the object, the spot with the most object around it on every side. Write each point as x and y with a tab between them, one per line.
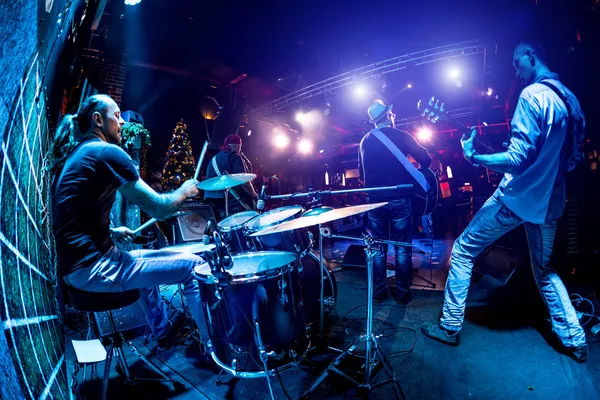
355	257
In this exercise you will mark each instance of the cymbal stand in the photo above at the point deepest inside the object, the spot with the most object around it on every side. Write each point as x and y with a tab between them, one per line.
372	349
322	295
226	202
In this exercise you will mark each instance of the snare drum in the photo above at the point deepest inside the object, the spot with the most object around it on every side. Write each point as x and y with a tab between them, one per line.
296	241
264	287
197	248
232	229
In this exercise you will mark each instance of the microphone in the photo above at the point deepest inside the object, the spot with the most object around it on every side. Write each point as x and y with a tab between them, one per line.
206	237
260	204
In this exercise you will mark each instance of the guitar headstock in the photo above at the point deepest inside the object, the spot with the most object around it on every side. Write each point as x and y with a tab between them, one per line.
433	111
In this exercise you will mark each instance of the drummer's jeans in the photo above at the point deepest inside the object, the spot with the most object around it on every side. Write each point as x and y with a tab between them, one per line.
392	222
118	271
490	223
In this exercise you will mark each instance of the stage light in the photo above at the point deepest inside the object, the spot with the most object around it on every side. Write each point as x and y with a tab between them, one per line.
305	146
449	172
132	2
249	132
424	134
326	178
454	73
281	141
490	91
300	116
321	151
409	85
360	90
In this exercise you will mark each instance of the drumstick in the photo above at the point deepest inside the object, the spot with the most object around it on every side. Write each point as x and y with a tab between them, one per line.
145	225
153	220
202	154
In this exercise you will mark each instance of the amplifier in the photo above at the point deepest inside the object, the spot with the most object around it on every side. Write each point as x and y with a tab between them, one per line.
189	222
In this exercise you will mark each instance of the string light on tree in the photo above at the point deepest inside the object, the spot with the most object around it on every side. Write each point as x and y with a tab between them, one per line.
179	161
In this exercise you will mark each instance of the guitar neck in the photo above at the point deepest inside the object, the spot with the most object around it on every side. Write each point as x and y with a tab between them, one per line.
467	131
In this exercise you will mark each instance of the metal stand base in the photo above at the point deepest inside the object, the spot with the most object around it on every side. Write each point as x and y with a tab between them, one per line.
378	357
372	349
115	352
429	284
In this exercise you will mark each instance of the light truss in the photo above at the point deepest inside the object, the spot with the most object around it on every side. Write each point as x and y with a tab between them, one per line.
377	69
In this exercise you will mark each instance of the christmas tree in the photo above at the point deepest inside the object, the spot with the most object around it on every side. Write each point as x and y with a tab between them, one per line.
179	162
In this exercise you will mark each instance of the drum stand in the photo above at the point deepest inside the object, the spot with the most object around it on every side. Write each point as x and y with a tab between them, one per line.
185	312
372	349
226	202
322	295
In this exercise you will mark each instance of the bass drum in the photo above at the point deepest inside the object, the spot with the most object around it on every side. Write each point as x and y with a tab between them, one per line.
310	281
261	303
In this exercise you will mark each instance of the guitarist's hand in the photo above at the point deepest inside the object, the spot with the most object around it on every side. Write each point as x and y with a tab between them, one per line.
468	145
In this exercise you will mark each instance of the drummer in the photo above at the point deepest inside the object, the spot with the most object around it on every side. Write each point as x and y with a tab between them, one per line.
88	167
231	160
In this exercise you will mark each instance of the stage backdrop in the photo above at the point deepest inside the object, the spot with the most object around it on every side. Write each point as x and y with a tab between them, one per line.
32	361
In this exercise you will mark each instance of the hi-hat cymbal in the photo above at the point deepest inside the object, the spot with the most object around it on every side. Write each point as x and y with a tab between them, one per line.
225	181
319	219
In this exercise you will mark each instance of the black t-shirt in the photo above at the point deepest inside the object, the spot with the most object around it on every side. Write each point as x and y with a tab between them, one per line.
82	198
378	166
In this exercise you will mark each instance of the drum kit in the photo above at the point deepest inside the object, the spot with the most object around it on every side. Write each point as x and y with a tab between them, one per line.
265	292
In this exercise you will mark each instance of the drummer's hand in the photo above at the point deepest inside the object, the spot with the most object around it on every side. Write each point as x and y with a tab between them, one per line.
190	188
122	234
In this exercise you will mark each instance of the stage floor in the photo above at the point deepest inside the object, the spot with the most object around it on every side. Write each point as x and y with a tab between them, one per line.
503	352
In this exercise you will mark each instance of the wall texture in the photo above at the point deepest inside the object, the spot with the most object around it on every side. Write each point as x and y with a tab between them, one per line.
32	360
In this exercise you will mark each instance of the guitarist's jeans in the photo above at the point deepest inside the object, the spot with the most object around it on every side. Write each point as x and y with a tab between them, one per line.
392	222
490	223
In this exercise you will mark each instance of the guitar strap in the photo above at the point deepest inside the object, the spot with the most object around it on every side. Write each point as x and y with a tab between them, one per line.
232	190
571	140
418	176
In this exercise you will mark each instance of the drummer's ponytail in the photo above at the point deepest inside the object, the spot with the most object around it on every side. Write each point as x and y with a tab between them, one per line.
69	133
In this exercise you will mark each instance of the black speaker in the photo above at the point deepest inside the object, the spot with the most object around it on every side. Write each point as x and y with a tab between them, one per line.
355	257
500	262
127	319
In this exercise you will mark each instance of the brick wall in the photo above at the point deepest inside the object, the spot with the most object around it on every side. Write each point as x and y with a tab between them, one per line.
107	72
32	353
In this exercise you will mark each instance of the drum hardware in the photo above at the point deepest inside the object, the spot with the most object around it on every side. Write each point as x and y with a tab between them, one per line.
325	217
372	348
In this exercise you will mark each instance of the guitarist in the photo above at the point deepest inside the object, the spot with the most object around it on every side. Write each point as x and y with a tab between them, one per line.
231	160
378	166
547	130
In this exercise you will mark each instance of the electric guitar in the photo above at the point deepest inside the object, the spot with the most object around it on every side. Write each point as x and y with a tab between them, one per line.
434	111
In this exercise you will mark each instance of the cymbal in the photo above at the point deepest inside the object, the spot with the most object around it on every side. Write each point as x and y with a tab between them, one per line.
225	181
319	219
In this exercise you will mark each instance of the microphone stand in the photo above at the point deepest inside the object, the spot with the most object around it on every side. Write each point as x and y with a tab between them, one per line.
327	192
